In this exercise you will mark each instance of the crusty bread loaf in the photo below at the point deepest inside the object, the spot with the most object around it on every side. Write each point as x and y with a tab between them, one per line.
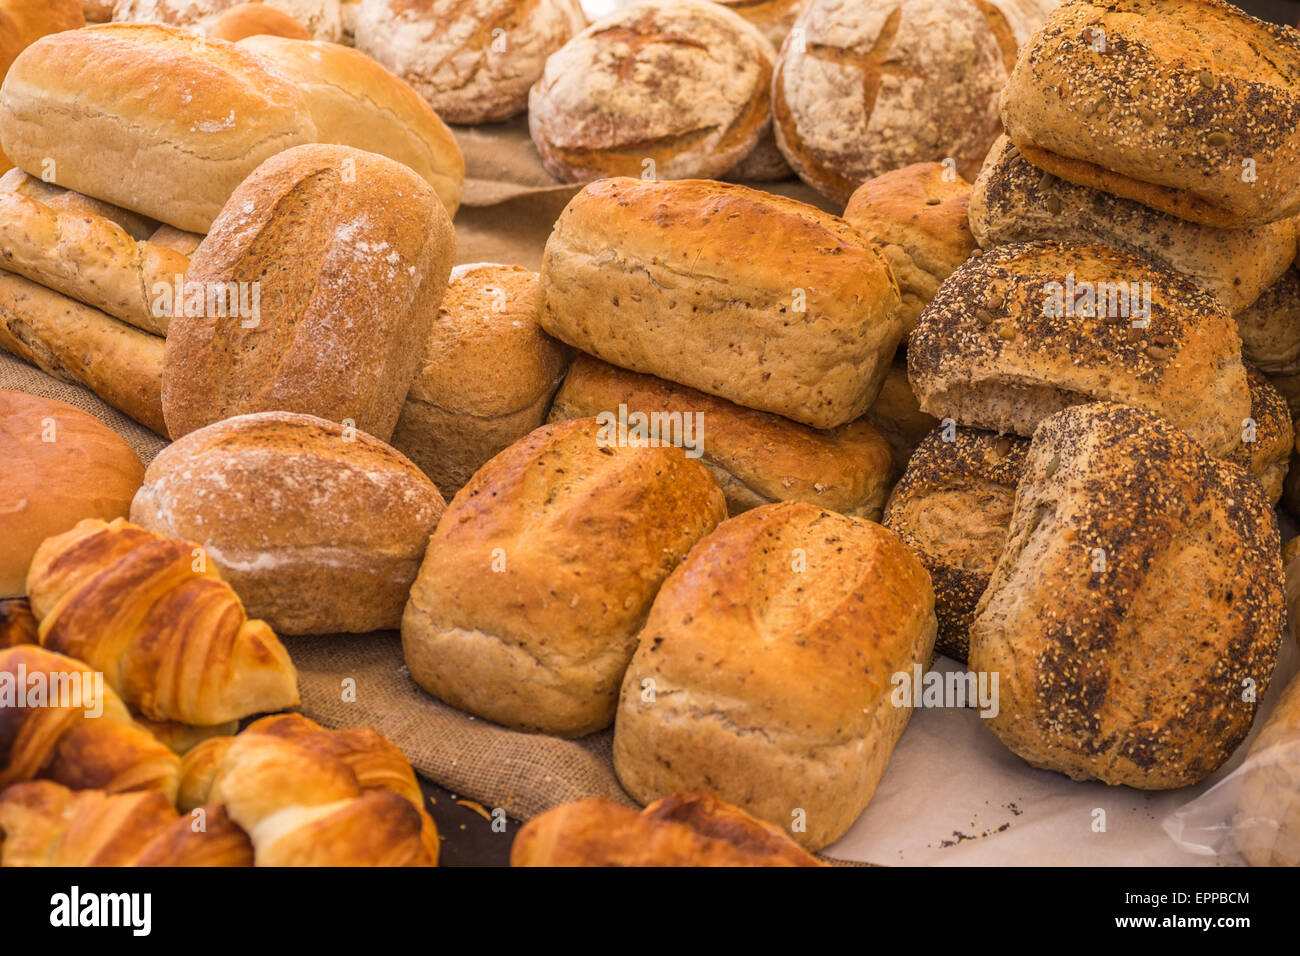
764	670
486	376
473	62
952	508
1013	201
1266	438
1191	107
242	488
666	89
136	226
566	536
1270	336
1266	824
774	18
256	19
1006	343
60	465
682	829
89	103
758	299
353	101
323	19
1126	538
918	217
756	457
341	321
897	413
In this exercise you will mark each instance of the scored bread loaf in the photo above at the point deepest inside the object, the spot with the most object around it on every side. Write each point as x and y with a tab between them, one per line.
240	489
1125	539
87	107
755	457
758	299
1027	329
340	324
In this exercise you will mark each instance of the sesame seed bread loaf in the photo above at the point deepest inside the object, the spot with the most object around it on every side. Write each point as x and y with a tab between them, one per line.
952	508
756	457
566	538
1125	540
242	488
1266	824
761	300
1191	107
1013	201
987	353
676	89
1270	336
764	670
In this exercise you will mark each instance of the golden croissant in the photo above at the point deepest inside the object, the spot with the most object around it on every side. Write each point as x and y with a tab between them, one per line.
153	614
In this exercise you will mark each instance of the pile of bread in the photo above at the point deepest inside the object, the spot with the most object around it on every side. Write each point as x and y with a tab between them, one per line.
651	486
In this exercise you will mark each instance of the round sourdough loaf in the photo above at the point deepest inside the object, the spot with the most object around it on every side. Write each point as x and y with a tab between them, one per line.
765	669
353	101
527	606
1191	107
323	19
257	19
473	62
660	90
1135	615
318	528
59	466
486	375
952	508
348	254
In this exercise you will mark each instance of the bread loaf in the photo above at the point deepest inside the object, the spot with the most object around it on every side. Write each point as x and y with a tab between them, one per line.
764	669
323	19
256	19
242	488
1125	539
761	300
337	329
567	535
1270	336
85	106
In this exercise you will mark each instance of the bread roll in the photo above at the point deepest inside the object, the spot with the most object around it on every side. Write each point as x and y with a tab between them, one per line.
242	488
667	89
257	19
774	18
60	465
897	413
1266	438
684	829
1022	331
952	508
473	62
758	299
764	669
354	101
1270	336
486	376
567	536
1013	201
1151	109
756	457
341	322
323	19
918	217
1126	538
1266	825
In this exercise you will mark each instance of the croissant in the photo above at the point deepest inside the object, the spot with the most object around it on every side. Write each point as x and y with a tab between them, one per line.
58	736
154	615
45	824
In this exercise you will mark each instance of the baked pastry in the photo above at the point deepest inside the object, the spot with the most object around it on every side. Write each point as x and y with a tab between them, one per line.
486	376
1270	336
60	465
666	89
1128	97
764	670
897	414
755	457
241	488
338	329
1266	824
1025	330
952	508
1126	538
181	738
256	19
682	829
757	299
323	19
774	18
17	623
1013	201
353	101
1267	438
87	101
153	614
472	62
60	721
567	535
918	217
